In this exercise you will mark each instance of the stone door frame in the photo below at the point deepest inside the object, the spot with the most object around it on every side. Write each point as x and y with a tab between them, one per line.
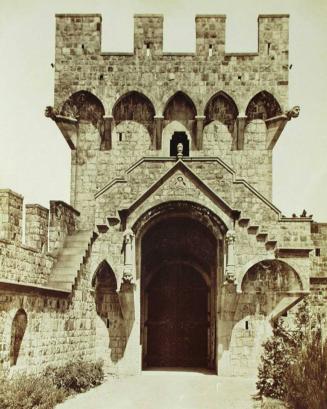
214	224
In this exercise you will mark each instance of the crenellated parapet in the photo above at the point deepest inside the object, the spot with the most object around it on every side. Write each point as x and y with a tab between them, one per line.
81	64
29	257
36	227
11	216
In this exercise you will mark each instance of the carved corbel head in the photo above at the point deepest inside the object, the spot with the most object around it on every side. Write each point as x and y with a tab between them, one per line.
50	112
294	112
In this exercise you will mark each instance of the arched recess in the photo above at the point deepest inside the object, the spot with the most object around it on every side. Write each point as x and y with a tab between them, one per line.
181	108
222	108
263	106
18	328
134	106
85	106
266	283
108	309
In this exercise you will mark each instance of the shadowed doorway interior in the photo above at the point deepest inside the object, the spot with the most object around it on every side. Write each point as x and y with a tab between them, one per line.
179	260
177	321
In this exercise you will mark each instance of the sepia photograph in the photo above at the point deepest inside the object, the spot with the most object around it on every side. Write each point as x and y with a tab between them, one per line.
163	204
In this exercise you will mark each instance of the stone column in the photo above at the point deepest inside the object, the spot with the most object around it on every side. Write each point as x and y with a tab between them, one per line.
199	131
157	140
128	272
240	127
230	267
106	141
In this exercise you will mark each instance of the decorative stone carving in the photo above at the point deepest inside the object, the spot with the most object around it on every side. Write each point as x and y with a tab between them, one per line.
50	112
180	151
128	275
207	216
230	267
293	113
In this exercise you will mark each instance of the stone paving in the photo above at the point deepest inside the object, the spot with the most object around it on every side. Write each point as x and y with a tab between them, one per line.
168	390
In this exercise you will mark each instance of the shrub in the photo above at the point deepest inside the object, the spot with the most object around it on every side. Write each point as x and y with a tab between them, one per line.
306	378
294	363
29	392
77	376
47	390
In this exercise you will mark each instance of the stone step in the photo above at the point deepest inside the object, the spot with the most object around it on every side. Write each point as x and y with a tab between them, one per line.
77	244
68	265
82	234
64	277
244	221
63	270
253	229
271	244
70	257
262	236
63	285
70	251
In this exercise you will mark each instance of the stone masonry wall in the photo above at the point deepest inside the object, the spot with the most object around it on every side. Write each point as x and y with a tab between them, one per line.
59	329
81	64
106	77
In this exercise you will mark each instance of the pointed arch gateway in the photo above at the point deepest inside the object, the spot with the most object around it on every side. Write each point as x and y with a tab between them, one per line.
180	256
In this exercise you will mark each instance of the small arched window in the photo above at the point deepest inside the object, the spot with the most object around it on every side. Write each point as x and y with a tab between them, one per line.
18	329
177	138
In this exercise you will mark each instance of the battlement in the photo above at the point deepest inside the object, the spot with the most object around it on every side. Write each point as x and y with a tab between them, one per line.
44	230
81	64
81	34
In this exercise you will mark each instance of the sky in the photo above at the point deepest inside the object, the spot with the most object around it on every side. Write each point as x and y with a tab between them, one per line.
34	157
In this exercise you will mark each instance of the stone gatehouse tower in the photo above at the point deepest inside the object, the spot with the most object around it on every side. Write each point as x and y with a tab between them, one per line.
171	252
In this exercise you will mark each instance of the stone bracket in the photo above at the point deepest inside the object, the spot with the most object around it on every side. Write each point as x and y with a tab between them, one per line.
68	126
276	125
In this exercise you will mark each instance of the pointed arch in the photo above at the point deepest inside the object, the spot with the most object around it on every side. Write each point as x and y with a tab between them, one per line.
104	276
108	309
271	276
263	106
85	106
18	328
179	107
221	107
134	106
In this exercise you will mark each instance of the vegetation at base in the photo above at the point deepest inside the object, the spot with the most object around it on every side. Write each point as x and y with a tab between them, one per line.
46	390
77	376
293	366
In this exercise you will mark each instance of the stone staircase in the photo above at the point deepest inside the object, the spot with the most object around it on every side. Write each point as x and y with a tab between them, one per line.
76	248
260	233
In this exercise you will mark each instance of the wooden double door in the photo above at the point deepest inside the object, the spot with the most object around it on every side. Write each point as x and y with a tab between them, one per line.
177	318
